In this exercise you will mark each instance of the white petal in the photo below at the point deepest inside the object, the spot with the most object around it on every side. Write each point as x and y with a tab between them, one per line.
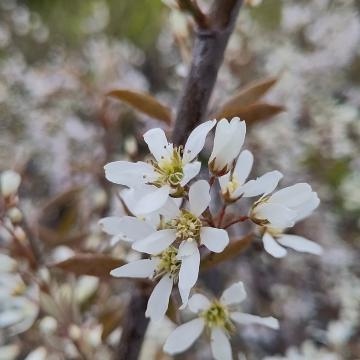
214	239
170	210
272	247
308	207
10	317
158	144
220	345
184	336
152	201
247	319
292	196
186	248
39	353
196	140
9	182
190	171
278	215
127	227
189	270
224	181
222	133
128	173
299	243
199	197
264	184
198	302
156	242
243	166
137	269
159	299
184	294
234	294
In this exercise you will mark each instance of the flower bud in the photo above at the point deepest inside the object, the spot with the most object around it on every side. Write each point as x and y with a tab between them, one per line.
48	325
10	182
15	215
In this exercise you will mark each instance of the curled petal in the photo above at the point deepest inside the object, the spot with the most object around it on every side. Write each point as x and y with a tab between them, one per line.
137	269
190	171
189	270
272	247
247	319
301	244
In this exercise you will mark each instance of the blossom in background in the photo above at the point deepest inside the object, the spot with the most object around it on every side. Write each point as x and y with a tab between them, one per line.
218	317
171	170
18	301
233	184
9	182
229	138
281	210
166	266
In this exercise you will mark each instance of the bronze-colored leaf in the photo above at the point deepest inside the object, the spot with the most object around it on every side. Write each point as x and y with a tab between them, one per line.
245	97
144	103
89	264
258	112
232	250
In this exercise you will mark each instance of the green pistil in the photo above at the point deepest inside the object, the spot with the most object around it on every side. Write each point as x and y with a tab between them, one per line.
218	316
168	262
187	226
170	171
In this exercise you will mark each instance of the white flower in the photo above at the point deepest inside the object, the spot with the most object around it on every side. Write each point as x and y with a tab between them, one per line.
166	266
218	317
10	182
233	184
281	210
186	228
172	169
229	138
181	226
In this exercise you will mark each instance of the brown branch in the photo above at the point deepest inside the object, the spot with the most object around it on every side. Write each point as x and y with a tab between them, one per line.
192	7
207	56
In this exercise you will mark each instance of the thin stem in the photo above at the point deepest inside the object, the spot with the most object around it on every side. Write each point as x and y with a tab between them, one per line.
240	219
221	215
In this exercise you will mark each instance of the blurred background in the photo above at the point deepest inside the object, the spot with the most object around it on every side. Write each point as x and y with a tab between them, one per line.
57	130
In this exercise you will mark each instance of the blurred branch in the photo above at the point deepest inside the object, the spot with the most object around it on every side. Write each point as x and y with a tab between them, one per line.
207	56
192	7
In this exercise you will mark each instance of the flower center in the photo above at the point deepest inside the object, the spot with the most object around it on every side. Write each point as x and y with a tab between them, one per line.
187	226
169	263
218	315
170	170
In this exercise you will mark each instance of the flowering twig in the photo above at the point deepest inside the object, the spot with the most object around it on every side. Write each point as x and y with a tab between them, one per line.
235	221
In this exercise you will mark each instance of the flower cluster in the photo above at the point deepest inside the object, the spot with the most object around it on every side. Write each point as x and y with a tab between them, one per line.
173	223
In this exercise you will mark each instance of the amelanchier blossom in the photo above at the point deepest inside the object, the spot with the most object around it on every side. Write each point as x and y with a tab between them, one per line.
234	185
218	318
172	220
183	227
229	138
166	267
171	170
282	210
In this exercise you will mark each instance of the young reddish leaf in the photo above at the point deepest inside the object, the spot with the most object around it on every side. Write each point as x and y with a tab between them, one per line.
144	103
232	250
89	264
245	97
259	111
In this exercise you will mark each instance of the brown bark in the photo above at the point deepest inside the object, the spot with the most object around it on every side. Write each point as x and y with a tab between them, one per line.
207	56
